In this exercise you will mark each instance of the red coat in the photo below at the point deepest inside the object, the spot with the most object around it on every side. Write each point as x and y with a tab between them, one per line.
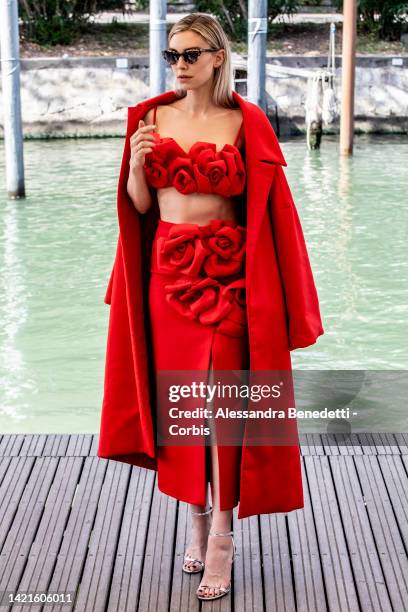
282	309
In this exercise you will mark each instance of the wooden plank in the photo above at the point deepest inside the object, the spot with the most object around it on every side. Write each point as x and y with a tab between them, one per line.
380	444
125	540
311	444
367	443
129	562
385	529
316	443
389	443
355	448
56	445
79	445
184	585
99	484
348	444
14	474
49	535
22	531
117	540
401	440
307	570
367	570
158	562
247	571
303	444
336	444
94	445
11	444
329	443
342	444
396	481
394	444
276	563
33	445
337	571
5	463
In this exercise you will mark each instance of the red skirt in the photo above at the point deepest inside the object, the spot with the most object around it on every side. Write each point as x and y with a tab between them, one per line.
197	310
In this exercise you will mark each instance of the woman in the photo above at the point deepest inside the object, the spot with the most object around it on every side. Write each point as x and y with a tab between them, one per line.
211	274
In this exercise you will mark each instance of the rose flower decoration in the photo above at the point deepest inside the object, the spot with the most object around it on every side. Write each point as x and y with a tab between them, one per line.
215	171
181	250
193	297
157	161
211	303
181	175
226	246
230	313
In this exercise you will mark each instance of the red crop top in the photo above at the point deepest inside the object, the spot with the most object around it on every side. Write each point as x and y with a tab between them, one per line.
202	169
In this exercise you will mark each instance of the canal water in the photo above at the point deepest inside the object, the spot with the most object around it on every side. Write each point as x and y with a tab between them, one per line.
58	244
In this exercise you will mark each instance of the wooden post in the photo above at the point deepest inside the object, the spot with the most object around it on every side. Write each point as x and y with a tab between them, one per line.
348	76
10	73
157	42
257	32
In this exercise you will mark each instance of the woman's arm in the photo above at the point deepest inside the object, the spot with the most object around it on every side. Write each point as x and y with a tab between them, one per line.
138	190
137	186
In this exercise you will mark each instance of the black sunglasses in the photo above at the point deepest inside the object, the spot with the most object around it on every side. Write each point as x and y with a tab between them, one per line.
189	55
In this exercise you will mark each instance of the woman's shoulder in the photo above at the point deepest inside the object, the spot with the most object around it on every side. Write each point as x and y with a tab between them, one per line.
161	109
148	117
147	105
237	114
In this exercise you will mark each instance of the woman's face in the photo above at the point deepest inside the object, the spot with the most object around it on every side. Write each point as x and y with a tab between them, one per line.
202	71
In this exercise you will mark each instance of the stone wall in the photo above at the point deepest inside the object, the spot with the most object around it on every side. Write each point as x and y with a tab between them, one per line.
89	96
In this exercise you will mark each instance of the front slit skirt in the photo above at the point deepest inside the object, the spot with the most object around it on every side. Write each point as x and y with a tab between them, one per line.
197	311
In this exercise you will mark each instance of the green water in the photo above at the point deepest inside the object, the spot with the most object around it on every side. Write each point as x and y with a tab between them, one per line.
57	248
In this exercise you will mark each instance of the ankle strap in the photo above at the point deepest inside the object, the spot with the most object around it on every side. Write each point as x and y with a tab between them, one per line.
226	533
202	513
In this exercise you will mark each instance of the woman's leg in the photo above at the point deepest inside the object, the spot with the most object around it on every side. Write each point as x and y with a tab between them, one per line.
217	569
200	526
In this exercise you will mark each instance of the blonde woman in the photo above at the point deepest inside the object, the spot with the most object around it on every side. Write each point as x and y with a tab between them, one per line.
212	275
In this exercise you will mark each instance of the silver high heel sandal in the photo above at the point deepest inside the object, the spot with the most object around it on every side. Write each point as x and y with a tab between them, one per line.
224	590
188	559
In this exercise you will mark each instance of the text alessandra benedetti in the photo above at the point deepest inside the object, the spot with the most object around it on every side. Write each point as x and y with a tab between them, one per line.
269	413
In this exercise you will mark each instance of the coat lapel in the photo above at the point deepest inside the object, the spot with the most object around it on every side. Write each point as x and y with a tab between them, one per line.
262	154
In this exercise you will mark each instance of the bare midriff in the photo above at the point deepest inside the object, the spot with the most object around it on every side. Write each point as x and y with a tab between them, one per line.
199	208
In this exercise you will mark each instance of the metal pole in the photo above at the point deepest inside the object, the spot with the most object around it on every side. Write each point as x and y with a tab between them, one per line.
348	76
158	42
10	73
257	32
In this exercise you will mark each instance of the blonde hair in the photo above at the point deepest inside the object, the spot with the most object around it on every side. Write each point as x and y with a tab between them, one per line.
210	29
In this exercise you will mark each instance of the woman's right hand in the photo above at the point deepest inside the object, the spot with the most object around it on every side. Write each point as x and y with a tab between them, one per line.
141	143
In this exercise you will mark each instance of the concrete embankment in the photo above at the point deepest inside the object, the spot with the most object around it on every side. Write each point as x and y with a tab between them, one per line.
89	96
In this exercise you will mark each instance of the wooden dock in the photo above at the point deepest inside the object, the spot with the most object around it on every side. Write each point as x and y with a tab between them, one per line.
70	521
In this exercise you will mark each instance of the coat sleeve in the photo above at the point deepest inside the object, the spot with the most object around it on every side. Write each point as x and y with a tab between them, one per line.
302	304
